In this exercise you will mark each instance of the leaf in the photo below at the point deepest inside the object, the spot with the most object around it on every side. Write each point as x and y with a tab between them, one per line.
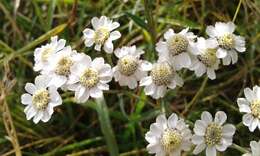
140	22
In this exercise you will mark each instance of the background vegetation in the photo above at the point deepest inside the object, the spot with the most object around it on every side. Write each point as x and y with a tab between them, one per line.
75	129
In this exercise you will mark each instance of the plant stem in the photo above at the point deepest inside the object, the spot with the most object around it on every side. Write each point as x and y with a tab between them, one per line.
237	10
106	127
151	23
239	148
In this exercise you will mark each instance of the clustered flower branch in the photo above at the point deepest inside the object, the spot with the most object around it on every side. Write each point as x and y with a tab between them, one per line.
62	67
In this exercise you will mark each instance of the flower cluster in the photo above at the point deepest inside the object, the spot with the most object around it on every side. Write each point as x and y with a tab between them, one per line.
62	67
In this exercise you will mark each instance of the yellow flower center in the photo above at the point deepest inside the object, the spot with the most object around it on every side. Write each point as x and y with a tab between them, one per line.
208	57
41	99
127	65
101	35
227	41
46	53
90	78
255	108
213	134
177	44
64	65
171	139
162	74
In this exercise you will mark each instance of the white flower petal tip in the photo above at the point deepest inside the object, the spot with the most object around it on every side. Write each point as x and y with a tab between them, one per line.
168	136
204	130
102	35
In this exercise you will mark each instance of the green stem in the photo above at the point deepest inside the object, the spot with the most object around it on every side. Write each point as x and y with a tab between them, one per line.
239	148
106	126
237	10
151	23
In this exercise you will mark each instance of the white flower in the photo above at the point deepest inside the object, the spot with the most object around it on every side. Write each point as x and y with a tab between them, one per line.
89	78
130	68
102	34
251	106
255	148
176	49
228	42
59	66
161	76
40	99
168	137
205	60
42	54
212	135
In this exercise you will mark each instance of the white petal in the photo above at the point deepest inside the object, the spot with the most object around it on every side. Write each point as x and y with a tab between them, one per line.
154	148
108	46
243	105
89	42
42	81
146	66
256	90
95	92
132	83
168	34
210	30
89	33
146	81
95	23
197	139
172	120
221	147
199	148
211	151
247	119
211	73
228	130
206	117
114	25
38	117
30	88
26	99
115	35
253	125
161	121
249	94
200	128
184	60
150	89
234	56
103	86
221	53
30	112
220	117
226	60
46	116
98	47
178	80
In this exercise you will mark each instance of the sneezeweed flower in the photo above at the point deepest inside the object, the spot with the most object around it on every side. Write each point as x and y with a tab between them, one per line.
40	99
89	78
59	66
168	137
176	49
205	60
251	106
255	149
130	69
228	42
102	35
162	76
212	135
42	54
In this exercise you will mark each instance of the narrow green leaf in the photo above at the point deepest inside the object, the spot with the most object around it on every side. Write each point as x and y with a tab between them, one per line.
140	22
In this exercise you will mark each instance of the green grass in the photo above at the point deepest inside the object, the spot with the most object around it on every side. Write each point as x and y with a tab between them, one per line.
75	129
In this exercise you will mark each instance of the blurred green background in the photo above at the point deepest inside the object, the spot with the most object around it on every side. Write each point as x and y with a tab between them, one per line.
74	129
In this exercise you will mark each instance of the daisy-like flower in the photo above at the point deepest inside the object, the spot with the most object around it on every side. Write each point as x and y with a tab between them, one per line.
162	76
42	54
251	106
176	49
212	135
89	78
228	42
40	99
130	69
59	66
102	35
168	137
205	60
255	148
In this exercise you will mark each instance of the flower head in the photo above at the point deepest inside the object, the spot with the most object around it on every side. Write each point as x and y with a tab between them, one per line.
168	136
251	106
89	78
228	42
205	60
130	68
161	77
102	35
255	149
176	48
40	99
212	135
45	52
